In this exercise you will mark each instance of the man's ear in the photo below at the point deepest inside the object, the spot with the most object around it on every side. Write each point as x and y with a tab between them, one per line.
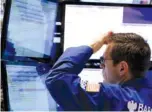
123	68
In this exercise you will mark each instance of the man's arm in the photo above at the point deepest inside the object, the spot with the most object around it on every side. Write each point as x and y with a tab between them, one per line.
72	60
63	82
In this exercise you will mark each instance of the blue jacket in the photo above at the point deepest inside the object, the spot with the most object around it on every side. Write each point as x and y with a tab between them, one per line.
64	85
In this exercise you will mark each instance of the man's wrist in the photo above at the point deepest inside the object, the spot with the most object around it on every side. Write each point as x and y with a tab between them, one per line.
96	46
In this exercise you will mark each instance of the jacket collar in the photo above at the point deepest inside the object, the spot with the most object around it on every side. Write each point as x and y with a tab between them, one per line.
138	82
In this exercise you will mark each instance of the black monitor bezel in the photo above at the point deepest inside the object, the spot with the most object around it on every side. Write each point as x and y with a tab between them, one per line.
63	5
3	40
4	33
5	87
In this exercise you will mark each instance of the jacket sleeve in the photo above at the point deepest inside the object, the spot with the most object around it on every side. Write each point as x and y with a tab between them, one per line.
63	82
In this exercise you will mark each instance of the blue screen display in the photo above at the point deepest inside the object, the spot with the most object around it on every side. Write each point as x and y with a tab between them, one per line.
31	28
27	90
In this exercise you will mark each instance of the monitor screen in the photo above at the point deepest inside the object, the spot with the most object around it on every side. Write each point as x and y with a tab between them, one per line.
120	1
92	75
84	23
26	89
91	79
30	29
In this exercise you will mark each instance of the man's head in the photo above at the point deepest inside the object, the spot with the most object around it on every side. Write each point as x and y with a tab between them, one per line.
127	56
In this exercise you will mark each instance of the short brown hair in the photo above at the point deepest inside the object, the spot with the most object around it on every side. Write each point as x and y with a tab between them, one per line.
133	49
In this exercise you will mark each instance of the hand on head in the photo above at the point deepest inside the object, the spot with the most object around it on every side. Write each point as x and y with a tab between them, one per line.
102	40
106	37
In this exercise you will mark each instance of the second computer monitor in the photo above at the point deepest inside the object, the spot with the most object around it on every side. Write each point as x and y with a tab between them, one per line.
85	22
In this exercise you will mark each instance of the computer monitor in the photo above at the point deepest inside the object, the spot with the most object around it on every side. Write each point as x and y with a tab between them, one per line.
84	22
109	1
120	1
26	90
28	28
91	75
91	79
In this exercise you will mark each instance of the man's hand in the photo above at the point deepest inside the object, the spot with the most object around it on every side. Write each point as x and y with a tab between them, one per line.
101	41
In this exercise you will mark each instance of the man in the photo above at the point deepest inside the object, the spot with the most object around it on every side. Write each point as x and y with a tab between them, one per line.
124	64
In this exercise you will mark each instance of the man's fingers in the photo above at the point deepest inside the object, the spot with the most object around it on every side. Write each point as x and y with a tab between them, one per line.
107	37
110	33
